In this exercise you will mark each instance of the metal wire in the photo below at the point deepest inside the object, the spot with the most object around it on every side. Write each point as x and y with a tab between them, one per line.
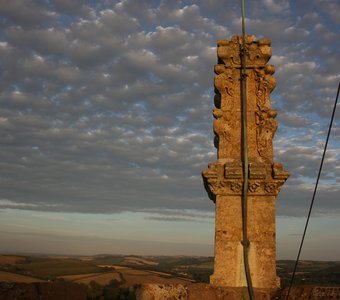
314	193
245	241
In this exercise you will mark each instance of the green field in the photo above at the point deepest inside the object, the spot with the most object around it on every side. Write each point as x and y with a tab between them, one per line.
50	268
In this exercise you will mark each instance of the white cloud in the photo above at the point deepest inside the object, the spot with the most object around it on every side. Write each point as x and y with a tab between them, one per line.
276	6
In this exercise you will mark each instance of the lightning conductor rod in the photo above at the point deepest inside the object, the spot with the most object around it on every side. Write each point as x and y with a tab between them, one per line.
245	241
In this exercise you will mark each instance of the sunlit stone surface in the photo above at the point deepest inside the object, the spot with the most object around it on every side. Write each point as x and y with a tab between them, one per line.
223	178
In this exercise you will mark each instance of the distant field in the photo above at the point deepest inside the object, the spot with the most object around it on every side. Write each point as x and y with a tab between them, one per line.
130	277
205	265
47	267
160	273
9	259
130	270
326	273
100	278
140	261
133	277
115	267
79	277
57	267
12	277
134	272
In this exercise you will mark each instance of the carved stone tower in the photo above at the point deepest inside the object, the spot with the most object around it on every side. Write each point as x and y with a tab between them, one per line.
224	178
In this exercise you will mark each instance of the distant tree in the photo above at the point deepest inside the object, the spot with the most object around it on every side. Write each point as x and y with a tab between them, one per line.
114	283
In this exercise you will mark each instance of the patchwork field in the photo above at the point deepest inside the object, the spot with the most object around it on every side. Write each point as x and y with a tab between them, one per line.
126	271
140	261
44	267
13	277
9	259
100	278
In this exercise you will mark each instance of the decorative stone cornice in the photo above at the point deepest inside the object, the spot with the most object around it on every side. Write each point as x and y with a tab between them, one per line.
257	52
226	179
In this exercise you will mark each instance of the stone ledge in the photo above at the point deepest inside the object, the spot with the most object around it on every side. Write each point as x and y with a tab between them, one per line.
310	292
198	291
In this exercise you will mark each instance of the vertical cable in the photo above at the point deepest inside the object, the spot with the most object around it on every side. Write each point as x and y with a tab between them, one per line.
245	241
314	193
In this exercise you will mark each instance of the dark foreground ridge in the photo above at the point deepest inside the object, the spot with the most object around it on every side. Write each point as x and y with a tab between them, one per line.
42	290
63	290
71	291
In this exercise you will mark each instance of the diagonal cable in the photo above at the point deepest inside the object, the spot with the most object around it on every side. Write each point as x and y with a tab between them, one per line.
314	193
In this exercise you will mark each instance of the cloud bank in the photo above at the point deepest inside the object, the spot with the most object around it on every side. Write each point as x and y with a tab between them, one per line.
106	106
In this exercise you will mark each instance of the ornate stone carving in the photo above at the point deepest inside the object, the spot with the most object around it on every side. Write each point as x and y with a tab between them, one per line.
225	123
270	187
233	170
223	129
254	187
265	83
236	187
279	172
257	52
266	127
220	176
224	83
326	293
224	178
257	171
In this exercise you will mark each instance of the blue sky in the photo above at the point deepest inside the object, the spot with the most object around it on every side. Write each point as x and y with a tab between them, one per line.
106	122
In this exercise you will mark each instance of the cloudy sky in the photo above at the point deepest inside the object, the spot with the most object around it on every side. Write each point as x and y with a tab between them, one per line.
106	125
